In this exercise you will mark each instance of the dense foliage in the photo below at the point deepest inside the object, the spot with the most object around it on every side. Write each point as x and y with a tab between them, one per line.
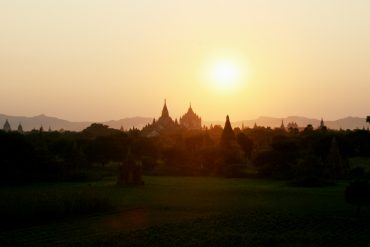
288	154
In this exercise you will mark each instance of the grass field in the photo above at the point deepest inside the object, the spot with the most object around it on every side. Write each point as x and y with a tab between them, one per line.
180	211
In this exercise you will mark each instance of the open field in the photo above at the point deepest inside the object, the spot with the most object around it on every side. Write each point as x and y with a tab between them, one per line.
180	211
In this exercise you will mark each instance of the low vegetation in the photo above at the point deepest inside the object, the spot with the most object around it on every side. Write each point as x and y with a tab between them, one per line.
185	211
27	206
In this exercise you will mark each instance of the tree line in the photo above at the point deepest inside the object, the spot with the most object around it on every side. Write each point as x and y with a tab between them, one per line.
310	154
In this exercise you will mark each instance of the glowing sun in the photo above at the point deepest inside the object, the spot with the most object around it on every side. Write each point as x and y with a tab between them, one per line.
224	75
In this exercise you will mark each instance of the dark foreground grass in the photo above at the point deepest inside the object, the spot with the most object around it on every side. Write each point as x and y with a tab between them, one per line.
255	228
175	211
35	207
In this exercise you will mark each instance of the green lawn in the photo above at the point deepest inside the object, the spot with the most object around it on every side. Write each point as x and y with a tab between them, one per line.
180	211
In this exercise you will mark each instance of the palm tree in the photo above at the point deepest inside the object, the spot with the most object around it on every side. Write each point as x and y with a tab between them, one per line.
368	119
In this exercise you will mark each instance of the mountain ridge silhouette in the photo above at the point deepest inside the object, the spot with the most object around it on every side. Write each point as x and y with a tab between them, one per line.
35	122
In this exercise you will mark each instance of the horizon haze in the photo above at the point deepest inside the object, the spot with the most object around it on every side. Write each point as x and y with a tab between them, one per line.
54	123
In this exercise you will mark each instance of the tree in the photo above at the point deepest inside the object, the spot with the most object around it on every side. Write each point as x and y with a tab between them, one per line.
97	130
358	193
130	171
103	149
368	119
280	159
246	144
335	164
308	129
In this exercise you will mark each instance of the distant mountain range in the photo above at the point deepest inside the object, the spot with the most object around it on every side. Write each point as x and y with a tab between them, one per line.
29	123
343	123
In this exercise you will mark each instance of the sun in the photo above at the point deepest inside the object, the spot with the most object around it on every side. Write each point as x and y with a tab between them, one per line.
225	74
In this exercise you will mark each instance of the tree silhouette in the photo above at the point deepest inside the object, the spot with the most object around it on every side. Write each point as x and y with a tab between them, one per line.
308	129
246	144
130	171
97	129
335	163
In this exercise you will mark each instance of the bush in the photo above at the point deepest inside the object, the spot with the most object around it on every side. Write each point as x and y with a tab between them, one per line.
232	170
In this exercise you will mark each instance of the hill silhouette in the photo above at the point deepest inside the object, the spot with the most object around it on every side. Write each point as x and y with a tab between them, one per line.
273	122
29	123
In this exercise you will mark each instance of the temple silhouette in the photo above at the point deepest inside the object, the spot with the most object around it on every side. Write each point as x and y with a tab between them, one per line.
190	120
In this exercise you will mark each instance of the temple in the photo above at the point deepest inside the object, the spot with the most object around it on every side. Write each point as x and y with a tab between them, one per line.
165	123
190	120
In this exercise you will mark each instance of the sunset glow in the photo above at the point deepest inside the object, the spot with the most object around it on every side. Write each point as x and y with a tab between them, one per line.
226	72
225	75
280	58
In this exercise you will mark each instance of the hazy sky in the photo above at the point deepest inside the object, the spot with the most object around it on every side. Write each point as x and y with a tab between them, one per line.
107	59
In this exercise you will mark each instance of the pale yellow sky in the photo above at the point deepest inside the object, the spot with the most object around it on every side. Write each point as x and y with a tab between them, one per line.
108	59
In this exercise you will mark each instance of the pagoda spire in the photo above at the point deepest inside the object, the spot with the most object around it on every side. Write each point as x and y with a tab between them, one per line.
20	128
165	110
190	110
322	125
282	126
228	134
6	126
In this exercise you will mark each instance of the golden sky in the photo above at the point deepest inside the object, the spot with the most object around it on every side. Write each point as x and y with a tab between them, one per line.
108	59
